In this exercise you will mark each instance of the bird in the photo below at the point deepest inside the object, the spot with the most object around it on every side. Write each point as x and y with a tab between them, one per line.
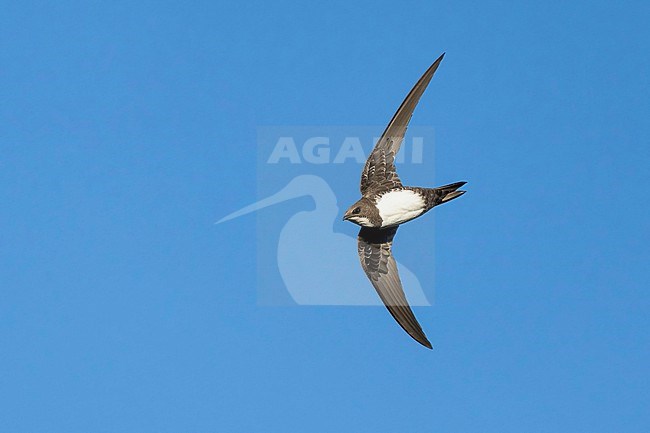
386	204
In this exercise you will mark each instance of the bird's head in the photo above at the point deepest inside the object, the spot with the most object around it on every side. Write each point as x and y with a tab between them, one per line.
363	213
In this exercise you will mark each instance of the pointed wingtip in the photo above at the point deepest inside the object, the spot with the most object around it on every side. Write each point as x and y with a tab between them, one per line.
421	338
432	69
417	335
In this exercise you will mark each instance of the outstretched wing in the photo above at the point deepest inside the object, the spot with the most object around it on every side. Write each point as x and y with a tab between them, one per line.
379	171
377	261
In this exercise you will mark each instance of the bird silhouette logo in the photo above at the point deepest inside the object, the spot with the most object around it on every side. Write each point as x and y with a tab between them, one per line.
319	266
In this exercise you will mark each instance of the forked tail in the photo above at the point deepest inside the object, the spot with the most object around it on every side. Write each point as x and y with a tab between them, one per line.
449	192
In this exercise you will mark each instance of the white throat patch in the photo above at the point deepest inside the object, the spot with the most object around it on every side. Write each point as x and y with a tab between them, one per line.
396	207
362	221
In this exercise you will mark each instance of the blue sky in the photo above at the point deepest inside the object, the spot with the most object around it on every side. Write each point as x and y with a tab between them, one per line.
128	128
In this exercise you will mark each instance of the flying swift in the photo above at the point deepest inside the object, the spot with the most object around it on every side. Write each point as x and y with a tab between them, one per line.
386	204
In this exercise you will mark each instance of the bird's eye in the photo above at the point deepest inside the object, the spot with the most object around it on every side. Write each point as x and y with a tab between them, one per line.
356	210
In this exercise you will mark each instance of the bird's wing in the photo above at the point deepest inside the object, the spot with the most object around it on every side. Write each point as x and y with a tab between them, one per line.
379	171
377	261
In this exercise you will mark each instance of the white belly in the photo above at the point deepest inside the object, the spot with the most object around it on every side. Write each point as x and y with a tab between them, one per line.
396	207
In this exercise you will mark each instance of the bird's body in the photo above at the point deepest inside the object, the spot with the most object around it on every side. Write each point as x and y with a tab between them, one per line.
386	203
399	205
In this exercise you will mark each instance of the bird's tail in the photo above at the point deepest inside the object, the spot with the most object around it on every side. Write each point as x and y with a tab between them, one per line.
449	192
